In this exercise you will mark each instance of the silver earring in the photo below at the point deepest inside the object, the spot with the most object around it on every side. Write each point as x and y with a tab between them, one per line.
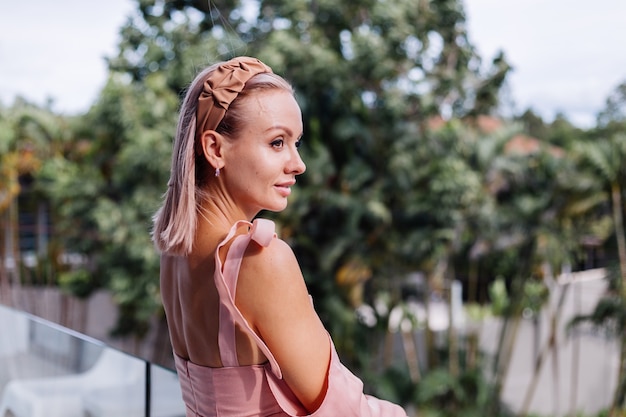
217	172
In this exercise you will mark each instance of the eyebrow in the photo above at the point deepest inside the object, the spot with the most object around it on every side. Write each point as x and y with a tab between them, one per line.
285	128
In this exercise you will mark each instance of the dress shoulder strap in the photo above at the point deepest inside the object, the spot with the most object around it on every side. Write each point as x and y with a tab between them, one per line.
261	231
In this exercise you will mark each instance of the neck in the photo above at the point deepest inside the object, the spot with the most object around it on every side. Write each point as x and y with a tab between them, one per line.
218	211
214	223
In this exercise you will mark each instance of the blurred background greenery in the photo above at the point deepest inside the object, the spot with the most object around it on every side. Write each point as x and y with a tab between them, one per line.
412	172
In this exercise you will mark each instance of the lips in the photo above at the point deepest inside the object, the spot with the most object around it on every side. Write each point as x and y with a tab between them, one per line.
285	188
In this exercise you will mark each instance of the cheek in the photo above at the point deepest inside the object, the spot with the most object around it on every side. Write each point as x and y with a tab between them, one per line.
249	174
253	167
261	167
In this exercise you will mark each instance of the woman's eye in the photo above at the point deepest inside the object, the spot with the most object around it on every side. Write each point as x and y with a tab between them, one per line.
298	143
278	143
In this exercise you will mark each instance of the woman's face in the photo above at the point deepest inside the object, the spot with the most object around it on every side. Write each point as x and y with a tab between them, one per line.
261	163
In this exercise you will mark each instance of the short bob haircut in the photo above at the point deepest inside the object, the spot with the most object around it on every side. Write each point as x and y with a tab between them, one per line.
175	223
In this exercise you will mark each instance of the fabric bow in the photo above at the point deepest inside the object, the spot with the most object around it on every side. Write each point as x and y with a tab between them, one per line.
222	87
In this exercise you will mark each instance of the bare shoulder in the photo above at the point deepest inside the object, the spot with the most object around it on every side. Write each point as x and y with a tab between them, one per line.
272	272
265	259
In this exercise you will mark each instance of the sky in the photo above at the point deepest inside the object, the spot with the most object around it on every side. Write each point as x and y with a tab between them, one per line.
568	55
56	49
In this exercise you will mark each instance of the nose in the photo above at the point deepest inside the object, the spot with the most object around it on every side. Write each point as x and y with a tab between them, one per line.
296	164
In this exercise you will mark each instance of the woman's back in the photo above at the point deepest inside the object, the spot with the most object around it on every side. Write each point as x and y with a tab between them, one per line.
191	304
211	385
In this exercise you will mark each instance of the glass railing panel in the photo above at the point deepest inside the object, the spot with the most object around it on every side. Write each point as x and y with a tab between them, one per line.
48	370
165	396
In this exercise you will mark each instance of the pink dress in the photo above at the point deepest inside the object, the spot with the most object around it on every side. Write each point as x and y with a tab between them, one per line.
259	390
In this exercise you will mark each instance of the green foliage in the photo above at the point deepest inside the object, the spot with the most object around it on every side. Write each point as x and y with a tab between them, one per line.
499	297
534	296
78	282
613	116
609	314
106	191
395	385
442	394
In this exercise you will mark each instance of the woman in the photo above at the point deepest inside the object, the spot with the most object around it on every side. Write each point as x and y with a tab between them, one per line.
245	335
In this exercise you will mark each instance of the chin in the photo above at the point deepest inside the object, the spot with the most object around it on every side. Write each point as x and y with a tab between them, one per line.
277	208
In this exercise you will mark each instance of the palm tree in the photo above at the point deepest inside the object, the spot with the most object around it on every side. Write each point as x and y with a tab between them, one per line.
30	137
606	158
528	189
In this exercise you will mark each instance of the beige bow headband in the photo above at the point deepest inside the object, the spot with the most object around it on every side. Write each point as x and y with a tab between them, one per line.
222	87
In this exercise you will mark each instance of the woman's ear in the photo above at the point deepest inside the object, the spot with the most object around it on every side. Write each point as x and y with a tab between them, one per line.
211	143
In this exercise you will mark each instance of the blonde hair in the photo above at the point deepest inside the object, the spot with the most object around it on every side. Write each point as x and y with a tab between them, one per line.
175	222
